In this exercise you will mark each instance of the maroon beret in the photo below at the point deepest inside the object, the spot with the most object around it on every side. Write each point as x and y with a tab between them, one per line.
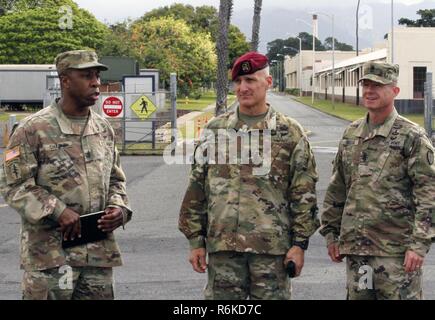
249	63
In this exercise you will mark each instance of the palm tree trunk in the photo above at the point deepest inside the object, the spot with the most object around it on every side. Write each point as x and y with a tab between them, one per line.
225	10
255	40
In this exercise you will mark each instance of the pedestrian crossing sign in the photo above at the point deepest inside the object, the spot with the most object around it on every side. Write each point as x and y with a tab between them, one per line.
143	107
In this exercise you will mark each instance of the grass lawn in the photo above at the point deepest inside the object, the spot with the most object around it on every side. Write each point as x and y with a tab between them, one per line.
4	116
349	111
207	99
199	105
417	118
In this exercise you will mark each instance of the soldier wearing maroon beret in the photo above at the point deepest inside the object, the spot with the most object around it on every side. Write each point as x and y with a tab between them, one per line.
249	63
251	223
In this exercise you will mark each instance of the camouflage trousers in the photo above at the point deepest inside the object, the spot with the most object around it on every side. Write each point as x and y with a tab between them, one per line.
239	276
69	283
381	278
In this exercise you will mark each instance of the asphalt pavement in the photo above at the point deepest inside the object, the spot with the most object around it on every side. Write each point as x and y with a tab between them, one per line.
155	252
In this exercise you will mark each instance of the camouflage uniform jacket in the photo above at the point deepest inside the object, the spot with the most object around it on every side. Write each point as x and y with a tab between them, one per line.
48	168
228	208
380	201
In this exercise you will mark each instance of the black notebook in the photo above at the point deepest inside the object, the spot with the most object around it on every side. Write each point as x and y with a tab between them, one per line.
89	231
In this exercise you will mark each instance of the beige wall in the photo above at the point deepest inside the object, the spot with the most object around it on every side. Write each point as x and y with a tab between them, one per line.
414	47
323	59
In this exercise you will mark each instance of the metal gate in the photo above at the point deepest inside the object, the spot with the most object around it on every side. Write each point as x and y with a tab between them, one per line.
429	107
135	133
148	123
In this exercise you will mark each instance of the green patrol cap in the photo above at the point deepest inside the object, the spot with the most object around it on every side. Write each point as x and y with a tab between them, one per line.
380	72
78	59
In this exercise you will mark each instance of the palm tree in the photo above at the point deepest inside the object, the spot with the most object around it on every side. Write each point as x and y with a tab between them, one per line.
225	11
256	25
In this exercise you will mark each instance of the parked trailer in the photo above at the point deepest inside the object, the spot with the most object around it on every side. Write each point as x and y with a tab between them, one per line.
27	84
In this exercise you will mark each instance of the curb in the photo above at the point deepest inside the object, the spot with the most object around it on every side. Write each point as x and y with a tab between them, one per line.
310	106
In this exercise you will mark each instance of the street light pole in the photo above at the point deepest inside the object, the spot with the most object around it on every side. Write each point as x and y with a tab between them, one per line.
331	16
314	23
314	58
357	50
333	64
276	77
281	66
299	62
392	31
300	67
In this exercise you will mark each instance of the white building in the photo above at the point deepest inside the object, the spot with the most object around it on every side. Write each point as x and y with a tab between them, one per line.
347	73
302	64
414	53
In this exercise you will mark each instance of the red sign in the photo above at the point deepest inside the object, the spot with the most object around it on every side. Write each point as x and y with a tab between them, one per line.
112	106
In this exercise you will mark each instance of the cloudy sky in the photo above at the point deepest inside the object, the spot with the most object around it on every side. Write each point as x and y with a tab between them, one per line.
115	10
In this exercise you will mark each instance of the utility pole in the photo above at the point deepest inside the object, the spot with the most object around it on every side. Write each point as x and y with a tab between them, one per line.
333	63
300	67
314	57
357	51
392	31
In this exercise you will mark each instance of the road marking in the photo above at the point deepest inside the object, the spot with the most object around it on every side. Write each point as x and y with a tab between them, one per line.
313	143
332	150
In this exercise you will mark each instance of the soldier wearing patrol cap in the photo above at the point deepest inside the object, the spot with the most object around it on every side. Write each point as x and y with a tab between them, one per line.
62	163
379	207
251	224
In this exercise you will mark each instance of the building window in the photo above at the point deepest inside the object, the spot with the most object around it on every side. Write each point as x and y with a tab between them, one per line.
419	80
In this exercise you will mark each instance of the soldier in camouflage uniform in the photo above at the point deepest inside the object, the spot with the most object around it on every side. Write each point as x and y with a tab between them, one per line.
379	206
251	222
61	163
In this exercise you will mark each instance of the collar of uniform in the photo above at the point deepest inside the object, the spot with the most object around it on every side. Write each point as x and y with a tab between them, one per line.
269	121
383	130
65	124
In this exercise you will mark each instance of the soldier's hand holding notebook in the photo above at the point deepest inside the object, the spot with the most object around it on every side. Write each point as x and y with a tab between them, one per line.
89	231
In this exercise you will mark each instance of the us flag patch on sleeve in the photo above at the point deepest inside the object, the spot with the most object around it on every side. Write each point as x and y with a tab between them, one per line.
12	154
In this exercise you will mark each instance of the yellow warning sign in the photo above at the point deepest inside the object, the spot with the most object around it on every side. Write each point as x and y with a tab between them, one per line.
143	107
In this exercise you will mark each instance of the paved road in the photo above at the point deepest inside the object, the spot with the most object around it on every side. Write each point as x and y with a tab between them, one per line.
155	252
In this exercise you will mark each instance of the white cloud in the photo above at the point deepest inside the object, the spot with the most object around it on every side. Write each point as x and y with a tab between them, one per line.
115	10
407	2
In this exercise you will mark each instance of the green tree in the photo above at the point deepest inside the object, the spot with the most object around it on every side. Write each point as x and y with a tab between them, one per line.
290	46
427	19
307	42
338	45
118	41
38	35
237	44
6	6
170	45
205	19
